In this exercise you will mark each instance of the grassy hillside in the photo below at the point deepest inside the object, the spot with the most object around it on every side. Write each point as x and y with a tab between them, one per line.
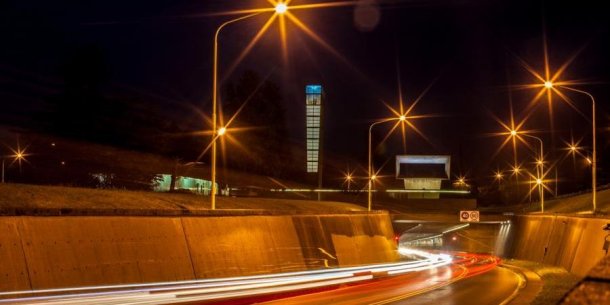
23	197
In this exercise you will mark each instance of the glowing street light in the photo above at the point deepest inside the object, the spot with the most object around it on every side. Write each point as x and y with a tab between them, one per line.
539	163
572	148
215	105
516	169
594	157
222	131
17	156
348	180
281	8
372	176
550	84
280	12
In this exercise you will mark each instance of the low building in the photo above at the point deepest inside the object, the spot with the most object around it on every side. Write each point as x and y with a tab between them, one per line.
423	174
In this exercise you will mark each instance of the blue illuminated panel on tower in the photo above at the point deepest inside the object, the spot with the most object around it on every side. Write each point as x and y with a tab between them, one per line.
313	110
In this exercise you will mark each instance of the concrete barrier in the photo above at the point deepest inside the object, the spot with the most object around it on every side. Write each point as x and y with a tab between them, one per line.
83	251
233	246
574	243
54	252
14	272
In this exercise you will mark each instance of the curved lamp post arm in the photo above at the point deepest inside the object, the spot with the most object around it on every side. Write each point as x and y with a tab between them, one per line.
370	169
594	157
214	105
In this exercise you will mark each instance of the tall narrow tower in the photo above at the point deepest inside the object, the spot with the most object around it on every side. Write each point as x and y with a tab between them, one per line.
313	118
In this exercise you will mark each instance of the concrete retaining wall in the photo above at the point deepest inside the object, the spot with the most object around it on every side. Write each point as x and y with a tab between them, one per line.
570	242
14	272
53	252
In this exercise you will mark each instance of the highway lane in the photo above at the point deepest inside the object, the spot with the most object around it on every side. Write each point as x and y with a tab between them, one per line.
241	290
375	284
491	288
402	289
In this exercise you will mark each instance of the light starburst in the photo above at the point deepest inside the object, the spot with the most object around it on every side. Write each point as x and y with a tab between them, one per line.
19	155
549	83
282	13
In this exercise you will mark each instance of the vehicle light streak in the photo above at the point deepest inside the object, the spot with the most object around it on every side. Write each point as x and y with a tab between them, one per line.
372	284
227	288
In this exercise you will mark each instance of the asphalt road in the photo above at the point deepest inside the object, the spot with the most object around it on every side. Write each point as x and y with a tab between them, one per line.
435	279
490	288
474	280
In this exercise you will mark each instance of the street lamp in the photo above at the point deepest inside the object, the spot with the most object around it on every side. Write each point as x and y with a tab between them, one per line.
372	177
215	105
594	157
539	164
281	8
18	156
348	179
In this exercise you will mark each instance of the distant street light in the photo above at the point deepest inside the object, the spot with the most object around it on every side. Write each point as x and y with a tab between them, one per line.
17	156
572	148
539	165
222	131
461	181
372	176
348	179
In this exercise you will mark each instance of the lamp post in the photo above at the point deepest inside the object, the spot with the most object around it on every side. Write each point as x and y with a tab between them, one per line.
18	156
372	176
348	179
594	157
540	169
280	8
215	132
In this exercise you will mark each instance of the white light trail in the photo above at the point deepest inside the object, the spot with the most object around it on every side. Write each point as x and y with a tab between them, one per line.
223	288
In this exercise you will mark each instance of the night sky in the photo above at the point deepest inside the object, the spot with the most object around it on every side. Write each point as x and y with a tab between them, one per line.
467	50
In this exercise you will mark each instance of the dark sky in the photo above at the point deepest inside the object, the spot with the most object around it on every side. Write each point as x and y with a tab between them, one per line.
467	49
